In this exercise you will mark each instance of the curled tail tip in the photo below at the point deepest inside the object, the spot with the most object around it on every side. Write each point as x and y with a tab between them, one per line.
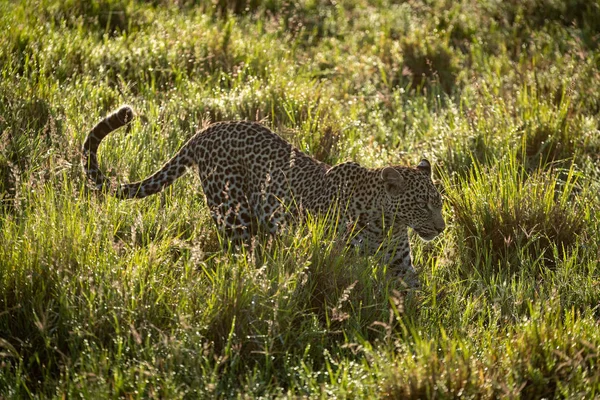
125	114
121	117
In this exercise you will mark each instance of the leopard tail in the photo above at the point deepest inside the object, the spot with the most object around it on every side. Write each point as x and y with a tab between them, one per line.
165	176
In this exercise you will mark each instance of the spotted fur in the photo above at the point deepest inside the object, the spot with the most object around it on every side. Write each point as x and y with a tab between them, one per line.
253	179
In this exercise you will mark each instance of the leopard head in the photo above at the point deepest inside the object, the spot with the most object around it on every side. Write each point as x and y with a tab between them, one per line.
412	200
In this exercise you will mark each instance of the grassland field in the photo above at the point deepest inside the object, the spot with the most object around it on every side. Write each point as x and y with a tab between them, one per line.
101	298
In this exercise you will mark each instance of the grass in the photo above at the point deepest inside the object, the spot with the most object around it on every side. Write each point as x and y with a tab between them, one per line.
138	299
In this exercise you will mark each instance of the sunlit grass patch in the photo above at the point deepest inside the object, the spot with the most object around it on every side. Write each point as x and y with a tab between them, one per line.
507	214
307	276
554	134
295	296
550	354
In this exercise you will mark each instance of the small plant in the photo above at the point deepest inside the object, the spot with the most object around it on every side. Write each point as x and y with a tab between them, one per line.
329	142
555	137
426	61
241	7
110	16
508	214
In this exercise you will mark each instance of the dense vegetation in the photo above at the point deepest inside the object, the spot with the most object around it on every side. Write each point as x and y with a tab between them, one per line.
137	299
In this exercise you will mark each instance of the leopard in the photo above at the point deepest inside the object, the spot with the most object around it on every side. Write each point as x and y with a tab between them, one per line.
255	181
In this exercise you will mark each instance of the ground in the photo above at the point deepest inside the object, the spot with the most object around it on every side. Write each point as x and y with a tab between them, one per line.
138	299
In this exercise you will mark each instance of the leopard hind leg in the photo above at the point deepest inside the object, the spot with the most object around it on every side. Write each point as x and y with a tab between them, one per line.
230	210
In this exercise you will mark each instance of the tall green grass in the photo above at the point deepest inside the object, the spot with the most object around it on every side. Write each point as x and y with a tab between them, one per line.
101	298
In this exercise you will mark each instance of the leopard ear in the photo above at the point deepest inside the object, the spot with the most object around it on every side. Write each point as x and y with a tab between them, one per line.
392	180
424	166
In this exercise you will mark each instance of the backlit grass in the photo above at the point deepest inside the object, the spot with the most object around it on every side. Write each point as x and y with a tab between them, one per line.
101	298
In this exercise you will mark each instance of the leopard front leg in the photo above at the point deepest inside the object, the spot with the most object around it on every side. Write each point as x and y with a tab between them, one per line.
398	256
395	248
401	266
400	259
